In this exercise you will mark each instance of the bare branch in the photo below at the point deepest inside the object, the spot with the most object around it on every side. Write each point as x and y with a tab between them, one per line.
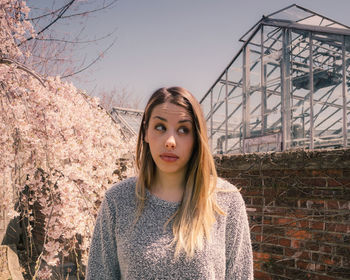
93	62
48	14
65	8
91	11
77	42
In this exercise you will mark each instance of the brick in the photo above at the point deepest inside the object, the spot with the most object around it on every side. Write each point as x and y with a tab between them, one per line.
295	244
274	268
299	234
331	182
332	237
335	172
325	277
284	242
259	275
305	255
297	274
330	226
302	265
314	182
267	220
328	261
285	221
332	204
255	228
258	238
343	251
257	265
251	192
317	173
325	249
315	204
346	173
290	252
293	172
301	213
341	228
259	256
315	257
320	267
274	230
341	272
312	245
273	249
303	224
287	202
317	225
344	205
270	239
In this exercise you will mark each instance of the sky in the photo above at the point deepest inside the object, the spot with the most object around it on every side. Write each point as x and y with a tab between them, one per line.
178	42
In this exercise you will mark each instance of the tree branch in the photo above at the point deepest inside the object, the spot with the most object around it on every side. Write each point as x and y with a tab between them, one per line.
91	11
22	67
90	64
63	10
77	42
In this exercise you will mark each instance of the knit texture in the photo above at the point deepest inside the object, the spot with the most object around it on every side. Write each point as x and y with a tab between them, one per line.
121	249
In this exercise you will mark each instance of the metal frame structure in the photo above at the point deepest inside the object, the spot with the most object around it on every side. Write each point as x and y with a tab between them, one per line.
286	88
129	120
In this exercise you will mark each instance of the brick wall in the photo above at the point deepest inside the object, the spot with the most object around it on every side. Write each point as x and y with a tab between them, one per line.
299	209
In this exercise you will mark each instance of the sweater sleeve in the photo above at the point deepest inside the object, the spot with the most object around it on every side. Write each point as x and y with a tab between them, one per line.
239	262
103	260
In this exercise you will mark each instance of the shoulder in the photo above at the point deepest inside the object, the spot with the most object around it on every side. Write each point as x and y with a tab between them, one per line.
228	195
122	191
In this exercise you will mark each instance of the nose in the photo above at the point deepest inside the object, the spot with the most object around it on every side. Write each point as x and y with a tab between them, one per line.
170	143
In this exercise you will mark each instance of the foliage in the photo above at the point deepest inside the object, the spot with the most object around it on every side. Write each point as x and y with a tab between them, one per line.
59	152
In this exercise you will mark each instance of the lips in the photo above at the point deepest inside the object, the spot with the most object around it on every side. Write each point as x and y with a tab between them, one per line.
169	157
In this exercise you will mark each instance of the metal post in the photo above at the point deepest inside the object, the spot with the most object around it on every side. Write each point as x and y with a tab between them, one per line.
311	86
263	85
345	130
285	86
226	109
246	95
211	120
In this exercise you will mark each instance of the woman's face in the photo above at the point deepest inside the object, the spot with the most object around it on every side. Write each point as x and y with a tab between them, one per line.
170	135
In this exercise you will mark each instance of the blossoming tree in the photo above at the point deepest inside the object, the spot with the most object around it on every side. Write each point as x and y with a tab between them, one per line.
59	153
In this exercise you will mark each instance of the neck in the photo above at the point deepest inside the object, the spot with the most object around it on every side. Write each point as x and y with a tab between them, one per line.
168	187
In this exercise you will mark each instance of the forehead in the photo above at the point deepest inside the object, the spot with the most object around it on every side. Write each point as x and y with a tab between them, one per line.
170	111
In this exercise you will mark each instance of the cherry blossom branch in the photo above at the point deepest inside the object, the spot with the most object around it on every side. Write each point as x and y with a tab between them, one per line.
22	67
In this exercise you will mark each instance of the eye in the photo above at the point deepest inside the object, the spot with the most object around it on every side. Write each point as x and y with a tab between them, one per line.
183	130
159	127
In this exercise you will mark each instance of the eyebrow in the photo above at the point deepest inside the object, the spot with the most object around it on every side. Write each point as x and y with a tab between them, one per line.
164	120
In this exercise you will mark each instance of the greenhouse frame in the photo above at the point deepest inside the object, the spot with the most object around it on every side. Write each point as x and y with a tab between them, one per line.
286	88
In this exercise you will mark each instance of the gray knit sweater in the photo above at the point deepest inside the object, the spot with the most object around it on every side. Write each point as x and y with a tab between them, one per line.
120	250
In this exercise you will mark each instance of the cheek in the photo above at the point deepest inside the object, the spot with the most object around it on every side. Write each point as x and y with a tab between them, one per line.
190	145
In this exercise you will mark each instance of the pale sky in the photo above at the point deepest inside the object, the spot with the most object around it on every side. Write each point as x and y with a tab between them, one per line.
180	42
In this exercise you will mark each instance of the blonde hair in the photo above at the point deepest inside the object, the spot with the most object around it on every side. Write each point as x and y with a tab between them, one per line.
195	216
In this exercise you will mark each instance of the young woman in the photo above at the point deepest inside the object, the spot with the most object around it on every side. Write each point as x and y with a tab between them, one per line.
176	220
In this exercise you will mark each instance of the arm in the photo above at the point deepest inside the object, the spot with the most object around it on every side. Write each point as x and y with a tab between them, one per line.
239	263
103	260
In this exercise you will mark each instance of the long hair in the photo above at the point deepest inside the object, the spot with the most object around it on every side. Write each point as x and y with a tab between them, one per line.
195	216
